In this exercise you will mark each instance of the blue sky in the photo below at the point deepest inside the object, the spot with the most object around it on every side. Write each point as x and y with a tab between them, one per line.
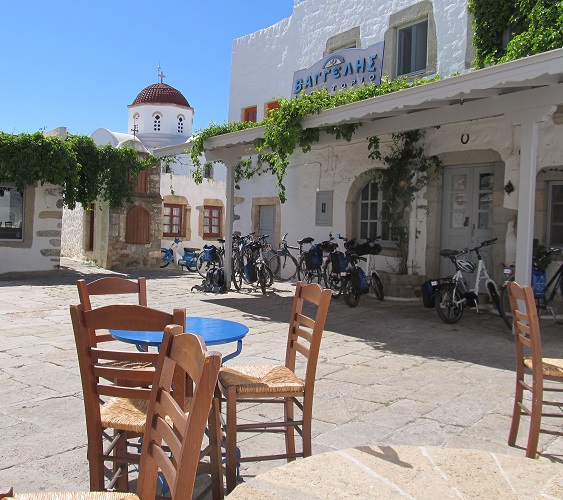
79	63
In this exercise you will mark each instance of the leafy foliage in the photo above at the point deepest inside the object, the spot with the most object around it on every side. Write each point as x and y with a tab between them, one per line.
284	132
535	26
85	171
409	169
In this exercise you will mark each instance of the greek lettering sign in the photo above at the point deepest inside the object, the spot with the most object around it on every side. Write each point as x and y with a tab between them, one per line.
341	70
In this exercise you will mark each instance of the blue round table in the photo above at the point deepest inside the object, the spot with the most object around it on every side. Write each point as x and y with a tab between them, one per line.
214	331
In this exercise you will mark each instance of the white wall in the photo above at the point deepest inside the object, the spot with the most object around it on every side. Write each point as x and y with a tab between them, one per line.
263	62
40	250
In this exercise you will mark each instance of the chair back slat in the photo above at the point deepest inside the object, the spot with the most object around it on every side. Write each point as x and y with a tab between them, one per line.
166	423
98	354
316	298
111	285
135	375
121	391
131	317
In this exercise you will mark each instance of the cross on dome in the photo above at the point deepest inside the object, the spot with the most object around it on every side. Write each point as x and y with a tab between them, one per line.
161	75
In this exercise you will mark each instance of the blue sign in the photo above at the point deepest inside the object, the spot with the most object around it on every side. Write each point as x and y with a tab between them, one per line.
342	70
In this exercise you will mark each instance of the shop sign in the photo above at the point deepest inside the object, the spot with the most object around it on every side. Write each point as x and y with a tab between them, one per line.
341	70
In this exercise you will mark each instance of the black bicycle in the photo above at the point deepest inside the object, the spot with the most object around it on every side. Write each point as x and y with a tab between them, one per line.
283	264
545	293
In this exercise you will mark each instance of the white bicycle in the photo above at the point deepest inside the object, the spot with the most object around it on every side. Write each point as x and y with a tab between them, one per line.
452	295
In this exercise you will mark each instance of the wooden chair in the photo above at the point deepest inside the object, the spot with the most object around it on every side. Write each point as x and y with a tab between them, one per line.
278	384
528	338
174	433
123	377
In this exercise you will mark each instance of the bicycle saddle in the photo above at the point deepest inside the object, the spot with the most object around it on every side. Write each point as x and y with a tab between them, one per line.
221	240
306	240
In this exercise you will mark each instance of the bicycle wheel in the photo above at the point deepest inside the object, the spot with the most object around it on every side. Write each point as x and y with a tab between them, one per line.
506	312
351	294
447	304
164	259
283	267
262	278
377	286
269	275
554	304
493	294
204	265
236	274
332	280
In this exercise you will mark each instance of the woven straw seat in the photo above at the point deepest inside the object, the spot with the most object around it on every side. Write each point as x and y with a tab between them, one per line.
82	495
279	383
527	337
124	414
261	378
552	367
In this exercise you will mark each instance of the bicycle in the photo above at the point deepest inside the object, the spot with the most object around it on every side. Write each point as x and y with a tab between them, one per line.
188	260
452	295
335	267
283	264
210	256
239	245
351	280
309	267
545	294
255	264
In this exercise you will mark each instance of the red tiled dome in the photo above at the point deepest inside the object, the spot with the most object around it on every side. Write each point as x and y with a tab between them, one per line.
160	93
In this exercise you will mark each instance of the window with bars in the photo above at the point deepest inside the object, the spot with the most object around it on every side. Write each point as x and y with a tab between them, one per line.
212	221
412	43
172	220
156	126
180	125
370	204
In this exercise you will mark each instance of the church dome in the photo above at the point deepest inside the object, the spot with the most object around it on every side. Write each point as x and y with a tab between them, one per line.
160	93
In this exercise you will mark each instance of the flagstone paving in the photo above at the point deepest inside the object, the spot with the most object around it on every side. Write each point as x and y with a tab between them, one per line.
389	373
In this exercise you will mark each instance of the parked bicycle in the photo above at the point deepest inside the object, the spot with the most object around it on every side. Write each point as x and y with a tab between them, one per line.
309	267
347	278
336	266
283	264
239	247
188	259
256	268
452	295
545	292
210	256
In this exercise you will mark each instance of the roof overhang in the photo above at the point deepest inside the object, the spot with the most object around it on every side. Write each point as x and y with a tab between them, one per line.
515	86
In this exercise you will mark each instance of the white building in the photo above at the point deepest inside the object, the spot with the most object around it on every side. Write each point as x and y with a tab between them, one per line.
492	129
159	117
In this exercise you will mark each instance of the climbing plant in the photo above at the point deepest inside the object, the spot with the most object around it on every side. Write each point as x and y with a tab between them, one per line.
409	169
284	132
534	26
85	171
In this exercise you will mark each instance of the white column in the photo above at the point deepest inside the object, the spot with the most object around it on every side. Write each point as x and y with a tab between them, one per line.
529	121
229	217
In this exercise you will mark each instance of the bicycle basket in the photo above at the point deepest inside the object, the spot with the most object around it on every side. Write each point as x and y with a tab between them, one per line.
313	259
338	262
465	266
368	248
209	253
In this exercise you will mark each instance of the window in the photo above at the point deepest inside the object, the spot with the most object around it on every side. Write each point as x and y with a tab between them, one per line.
271	106
180	125
172	221
156	126
324	208
142	186
555	214
370	204
211	221
208	170
90	225
11	213
412	42
249	114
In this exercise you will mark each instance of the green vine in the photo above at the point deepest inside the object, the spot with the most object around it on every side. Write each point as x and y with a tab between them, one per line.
409	169
283	130
85	171
535	26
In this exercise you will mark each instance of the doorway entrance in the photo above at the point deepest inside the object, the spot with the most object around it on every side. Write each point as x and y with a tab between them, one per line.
268	222
467	213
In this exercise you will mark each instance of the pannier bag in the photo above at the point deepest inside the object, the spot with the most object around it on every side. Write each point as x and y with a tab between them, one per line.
313	259
428	292
367	249
209	253
338	262
538	283
359	280
250	271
